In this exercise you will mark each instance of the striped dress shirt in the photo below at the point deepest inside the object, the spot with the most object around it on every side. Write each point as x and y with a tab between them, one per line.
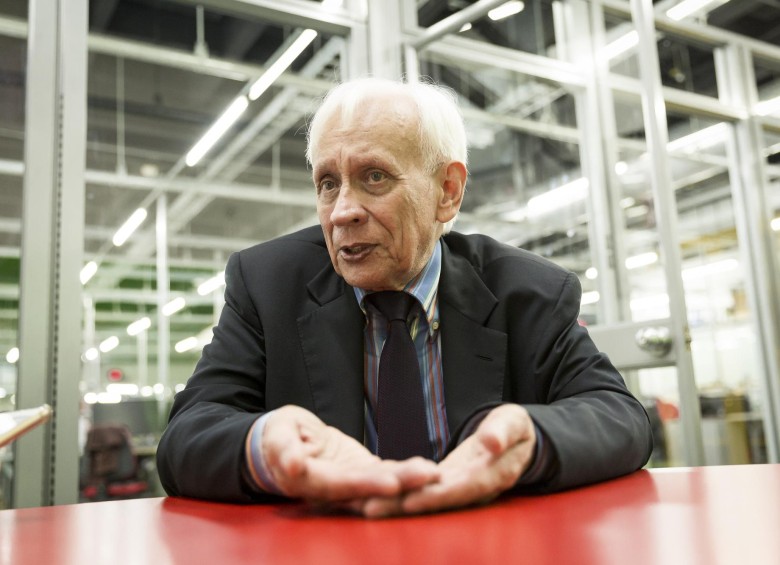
424	327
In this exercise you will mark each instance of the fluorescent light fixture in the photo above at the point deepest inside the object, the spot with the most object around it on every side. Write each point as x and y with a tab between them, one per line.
173	306
186	344
506	10
123	389
641	260
127	229
158	388
621	45
558	197
709	269
13	355
109	398
212	284
653	302
139	325
699	140
767	107
686	8
621	168
280	65
91	354
108	344
223	123
147	391
590	297
591	273
87	272
775	224
90	398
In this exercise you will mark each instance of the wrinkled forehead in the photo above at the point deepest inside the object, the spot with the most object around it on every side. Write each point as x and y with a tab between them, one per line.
383	115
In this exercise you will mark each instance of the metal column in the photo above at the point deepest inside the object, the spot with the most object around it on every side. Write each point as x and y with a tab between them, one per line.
753	214
654	111
52	242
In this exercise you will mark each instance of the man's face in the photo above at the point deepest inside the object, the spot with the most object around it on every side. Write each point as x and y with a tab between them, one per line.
380	209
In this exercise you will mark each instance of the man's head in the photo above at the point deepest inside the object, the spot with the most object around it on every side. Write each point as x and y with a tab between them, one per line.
389	167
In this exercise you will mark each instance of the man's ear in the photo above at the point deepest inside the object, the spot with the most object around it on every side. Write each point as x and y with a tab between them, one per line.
453	184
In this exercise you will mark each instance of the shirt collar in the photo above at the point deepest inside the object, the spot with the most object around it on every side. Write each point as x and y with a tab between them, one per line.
423	287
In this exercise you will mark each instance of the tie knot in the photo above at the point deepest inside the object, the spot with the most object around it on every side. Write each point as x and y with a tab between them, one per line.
393	304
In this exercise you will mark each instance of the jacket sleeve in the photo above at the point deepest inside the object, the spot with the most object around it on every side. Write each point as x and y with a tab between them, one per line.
201	453
597	430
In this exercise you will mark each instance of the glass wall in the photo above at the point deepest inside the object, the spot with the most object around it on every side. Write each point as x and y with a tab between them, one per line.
162	77
195	133
13	60
527	144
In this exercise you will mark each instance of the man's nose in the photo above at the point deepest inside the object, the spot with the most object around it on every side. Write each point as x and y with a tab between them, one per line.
348	208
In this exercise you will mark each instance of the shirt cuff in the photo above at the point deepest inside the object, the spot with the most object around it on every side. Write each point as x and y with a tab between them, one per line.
259	474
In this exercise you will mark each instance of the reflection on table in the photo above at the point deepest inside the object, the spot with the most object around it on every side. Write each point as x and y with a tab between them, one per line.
713	515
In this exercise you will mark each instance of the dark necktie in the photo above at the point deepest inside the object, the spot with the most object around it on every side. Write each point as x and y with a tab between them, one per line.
402	429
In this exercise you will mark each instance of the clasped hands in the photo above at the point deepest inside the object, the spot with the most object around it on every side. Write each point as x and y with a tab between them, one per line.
319	464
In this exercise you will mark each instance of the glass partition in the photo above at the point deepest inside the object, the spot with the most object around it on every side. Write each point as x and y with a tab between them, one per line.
13	61
195	131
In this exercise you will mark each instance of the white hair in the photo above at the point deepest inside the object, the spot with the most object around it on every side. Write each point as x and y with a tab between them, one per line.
442	133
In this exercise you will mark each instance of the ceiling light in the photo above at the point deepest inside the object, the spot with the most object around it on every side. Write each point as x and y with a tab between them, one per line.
658	303
210	285
13	355
109	398
465	27
621	45
775	224
280	65
91	354
173	306
223	123
506	10
331	4
699	140
87	272
127	229
108	344
767	107
621	168
709	269
123	389
139	325
186	344
590	297
558	197
90	397
641	260
591	273
686	8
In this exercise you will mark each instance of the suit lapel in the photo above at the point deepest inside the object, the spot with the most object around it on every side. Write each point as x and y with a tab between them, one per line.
473	356
332	344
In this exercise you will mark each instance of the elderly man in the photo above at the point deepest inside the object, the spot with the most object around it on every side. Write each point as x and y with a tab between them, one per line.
381	364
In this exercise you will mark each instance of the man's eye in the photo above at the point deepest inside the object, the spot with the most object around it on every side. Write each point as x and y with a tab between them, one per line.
326	185
376	176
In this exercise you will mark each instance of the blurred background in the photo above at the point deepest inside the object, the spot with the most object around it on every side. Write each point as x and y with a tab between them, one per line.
142	141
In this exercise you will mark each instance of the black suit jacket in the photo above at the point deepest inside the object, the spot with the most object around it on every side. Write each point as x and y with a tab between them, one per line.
291	332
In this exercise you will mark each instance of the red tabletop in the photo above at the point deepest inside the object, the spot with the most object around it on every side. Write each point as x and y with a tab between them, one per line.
705	515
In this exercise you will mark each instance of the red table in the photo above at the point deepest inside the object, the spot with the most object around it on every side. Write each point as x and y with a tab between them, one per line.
706	515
